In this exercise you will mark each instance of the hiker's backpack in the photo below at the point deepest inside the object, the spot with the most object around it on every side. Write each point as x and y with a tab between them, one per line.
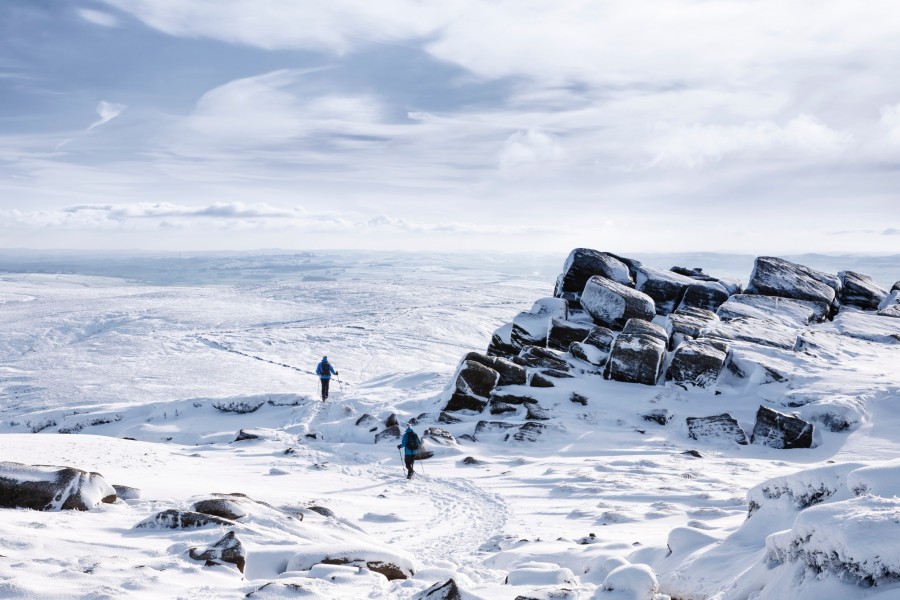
412	441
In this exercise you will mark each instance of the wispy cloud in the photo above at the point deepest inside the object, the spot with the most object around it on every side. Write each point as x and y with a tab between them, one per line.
107	111
97	17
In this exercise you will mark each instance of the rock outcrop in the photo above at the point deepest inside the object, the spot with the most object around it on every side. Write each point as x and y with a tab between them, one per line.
778	430
665	287
697	363
584	263
49	488
773	276
611	304
636	358
722	427
227	550
860	291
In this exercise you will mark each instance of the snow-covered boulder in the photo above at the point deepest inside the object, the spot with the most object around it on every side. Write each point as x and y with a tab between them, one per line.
860	291
636	358
501	342
227	550
510	373
460	402
761	332
779	430
629	582
641	327
542	358
392	563
601	338
449	590
611	304
708	295
687	323
789	311
867	326
475	379
856	540
589	354
532	327
747	365
584	263
49	488
540	574
562	333
772	276
722	427
697	363
664	287
803	489
181	519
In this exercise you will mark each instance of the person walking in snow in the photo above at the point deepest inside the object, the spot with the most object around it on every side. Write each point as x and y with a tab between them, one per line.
324	370
411	443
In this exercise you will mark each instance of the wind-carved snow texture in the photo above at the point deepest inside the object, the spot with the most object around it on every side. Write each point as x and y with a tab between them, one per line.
180	396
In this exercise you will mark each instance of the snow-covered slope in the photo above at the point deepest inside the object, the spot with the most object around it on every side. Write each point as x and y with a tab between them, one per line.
605	496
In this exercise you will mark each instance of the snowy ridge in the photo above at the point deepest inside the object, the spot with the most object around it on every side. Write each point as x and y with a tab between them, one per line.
588	488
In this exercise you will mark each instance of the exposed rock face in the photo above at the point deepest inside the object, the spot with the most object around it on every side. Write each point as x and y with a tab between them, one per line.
563	333
665	287
697	363
49	488
708	295
746	365
180	519
641	327
510	373
540	380
486	428
860	291
368	421
636	358
799	313
583	263
501	342
601	338
438	435
773	276
687	323
475	379
125	492
229	506
611	304
391	433
515	399
442	591
659	415
529	432
589	354
531	328
543	358
755	331
227	550
778	430
718	427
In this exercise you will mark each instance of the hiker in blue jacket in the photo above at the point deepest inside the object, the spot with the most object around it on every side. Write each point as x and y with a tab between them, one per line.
411	442
324	370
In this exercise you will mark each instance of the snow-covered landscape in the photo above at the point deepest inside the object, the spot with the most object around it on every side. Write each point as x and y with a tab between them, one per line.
185	384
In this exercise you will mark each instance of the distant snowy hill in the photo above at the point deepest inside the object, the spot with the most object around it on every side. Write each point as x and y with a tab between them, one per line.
575	411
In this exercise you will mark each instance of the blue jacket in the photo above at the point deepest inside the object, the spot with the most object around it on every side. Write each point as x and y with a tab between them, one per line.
325	370
403	442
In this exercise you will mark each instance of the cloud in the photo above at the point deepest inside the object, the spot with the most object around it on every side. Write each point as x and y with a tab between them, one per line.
97	17
697	145
529	148
891	231
890	120
107	111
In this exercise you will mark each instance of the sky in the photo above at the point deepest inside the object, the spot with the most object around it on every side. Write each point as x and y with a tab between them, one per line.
758	127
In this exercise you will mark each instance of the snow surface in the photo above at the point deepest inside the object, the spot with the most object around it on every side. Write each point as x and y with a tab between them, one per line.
154	381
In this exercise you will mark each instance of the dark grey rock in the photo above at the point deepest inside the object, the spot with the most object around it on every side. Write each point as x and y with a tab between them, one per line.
448	419
51	488
563	333
181	519
556	373
543	358
774	276
589	354
244	435
321	510
463	402
531	328
510	373
744	365
696	363
578	399
501	408
687	323
789	311
471	460
718	427
601	338
708	296
755	331
694	273
658	415
227	550
438	435
509	398
584	263
540	380
778	430
611	304
441	591
367	421
665	287
391	433
501	344
536	412
491	427
641	327
475	379
860	291
391	420
529	432
636	358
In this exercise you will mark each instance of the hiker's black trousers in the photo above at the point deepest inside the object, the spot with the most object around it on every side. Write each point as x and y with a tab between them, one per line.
324	387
